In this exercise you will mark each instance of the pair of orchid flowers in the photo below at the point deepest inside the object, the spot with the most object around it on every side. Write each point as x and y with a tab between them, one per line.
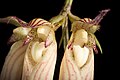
33	54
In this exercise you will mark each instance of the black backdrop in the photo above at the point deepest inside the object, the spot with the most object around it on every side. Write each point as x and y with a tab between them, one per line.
105	66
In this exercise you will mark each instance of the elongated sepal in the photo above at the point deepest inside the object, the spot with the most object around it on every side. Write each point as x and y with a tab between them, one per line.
13	65
98	44
99	17
13	20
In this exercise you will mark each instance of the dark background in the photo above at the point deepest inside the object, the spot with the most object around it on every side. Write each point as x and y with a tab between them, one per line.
105	64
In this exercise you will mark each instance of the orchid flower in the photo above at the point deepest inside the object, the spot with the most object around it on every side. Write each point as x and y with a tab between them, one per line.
78	59
33	52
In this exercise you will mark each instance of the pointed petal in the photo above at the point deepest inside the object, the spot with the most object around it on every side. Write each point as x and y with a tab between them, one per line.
13	20
97	42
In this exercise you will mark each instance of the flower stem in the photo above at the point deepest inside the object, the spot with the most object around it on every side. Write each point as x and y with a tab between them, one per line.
67	7
62	20
58	20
